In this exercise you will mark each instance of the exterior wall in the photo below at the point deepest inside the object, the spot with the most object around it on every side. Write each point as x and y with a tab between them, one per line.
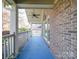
63	30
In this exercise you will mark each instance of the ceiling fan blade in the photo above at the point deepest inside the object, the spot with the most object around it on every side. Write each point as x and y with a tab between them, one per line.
36	14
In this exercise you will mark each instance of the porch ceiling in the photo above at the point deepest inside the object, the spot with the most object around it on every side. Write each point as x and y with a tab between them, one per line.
34	1
33	19
35	4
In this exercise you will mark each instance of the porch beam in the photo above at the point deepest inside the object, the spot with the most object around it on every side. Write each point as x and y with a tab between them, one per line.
43	6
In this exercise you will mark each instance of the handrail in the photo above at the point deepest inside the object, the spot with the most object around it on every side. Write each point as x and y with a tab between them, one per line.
8	35
8	45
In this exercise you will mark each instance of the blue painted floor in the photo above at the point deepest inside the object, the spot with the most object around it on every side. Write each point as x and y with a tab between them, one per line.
35	48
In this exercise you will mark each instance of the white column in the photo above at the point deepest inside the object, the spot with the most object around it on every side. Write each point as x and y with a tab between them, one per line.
16	26
12	21
42	22
12	25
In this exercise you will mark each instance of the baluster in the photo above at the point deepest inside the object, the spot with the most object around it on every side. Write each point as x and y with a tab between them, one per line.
11	45
8	47
4	49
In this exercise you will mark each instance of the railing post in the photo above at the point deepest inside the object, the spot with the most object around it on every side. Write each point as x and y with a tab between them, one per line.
14	44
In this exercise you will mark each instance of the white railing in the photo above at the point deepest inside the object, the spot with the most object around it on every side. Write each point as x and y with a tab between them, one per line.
8	45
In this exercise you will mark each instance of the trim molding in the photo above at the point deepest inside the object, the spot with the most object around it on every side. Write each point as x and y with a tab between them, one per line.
37	6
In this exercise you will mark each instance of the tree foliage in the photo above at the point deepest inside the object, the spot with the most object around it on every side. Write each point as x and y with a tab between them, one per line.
23	29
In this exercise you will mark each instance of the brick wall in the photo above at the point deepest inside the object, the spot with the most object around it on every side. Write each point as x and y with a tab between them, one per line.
63	29
6	20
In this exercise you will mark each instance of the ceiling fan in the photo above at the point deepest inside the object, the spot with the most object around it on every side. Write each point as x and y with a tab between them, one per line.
34	14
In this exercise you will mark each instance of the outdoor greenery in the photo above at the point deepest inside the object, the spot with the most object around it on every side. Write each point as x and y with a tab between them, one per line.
23	29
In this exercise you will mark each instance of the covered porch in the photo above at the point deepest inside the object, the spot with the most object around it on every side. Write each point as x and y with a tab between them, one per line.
40	29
